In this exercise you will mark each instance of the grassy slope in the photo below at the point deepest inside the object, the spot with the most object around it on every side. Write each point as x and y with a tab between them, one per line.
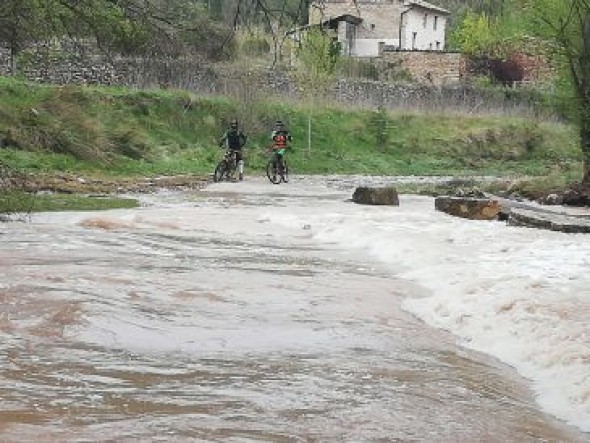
125	132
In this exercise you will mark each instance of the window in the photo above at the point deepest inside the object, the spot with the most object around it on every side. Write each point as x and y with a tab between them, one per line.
425	21
435	22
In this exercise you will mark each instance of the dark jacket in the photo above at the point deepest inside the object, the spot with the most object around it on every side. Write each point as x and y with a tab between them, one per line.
233	139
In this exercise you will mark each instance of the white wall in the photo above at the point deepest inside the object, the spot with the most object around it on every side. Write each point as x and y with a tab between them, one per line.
381	23
426	37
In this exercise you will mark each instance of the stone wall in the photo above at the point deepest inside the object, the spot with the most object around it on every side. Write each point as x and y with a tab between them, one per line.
443	99
61	63
75	65
430	67
536	68
72	63
446	68
381	20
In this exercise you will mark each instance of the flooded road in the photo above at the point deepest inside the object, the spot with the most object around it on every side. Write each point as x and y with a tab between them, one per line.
218	315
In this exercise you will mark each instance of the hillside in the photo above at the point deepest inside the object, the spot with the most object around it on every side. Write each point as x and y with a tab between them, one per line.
125	132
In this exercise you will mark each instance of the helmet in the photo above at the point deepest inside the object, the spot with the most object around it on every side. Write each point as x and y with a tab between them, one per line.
234	123
279	123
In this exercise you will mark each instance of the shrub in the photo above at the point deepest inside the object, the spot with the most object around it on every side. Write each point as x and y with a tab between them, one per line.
255	45
355	68
130	142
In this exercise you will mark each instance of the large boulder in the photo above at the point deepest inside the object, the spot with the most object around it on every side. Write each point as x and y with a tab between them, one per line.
467	207
367	195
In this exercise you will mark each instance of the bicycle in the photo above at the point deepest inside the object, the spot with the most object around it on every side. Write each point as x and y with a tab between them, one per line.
226	168
276	170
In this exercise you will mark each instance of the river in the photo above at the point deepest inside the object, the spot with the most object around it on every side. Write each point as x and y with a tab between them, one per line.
250	312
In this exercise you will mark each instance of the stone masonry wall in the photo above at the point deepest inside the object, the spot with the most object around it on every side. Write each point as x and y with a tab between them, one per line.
69	63
380	19
430	67
72	66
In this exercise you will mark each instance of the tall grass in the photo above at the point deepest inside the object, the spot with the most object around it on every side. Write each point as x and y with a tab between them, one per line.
122	131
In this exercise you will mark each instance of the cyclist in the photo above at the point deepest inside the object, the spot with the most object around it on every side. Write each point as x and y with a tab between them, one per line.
280	139
234	140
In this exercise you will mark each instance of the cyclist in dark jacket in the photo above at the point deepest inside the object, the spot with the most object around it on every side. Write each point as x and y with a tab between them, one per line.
234	140
280	142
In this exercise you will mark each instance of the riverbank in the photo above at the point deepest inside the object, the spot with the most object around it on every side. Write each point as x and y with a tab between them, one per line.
22	194
85	184
61	191
124	132
100	140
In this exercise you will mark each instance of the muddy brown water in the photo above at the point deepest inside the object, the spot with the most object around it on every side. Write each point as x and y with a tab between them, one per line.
194	319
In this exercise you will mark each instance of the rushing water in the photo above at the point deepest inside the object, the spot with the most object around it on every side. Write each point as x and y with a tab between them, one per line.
254	312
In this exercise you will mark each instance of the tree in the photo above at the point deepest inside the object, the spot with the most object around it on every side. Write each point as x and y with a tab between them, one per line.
566	25
491	31
164	27
317	57
123	26
136	26
473	35
25	21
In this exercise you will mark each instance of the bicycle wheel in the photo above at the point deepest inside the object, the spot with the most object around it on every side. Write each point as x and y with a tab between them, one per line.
272	173
285	172
220	171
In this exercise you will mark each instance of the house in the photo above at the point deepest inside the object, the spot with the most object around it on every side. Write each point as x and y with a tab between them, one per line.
341	29
364	28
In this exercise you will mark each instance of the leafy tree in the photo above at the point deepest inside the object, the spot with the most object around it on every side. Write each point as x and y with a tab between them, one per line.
124	26
474	35
495	28
317	58
25	21
565	24
166	27
142	27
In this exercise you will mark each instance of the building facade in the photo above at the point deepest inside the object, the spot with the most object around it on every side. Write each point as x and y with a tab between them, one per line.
394	24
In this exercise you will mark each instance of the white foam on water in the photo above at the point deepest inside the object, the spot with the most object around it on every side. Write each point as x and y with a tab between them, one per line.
519	294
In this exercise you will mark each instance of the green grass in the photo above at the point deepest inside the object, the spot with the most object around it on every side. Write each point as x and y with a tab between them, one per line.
119	132
20	202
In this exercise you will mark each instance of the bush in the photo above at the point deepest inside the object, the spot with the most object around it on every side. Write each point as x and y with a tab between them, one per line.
130	142
355	68
255	45
379	125
14	199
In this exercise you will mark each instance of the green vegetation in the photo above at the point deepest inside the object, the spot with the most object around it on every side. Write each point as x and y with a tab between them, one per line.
555	30
122	132
21	202
61	202
114	132
130	27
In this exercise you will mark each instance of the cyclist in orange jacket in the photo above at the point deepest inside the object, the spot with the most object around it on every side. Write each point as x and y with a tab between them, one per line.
280	142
